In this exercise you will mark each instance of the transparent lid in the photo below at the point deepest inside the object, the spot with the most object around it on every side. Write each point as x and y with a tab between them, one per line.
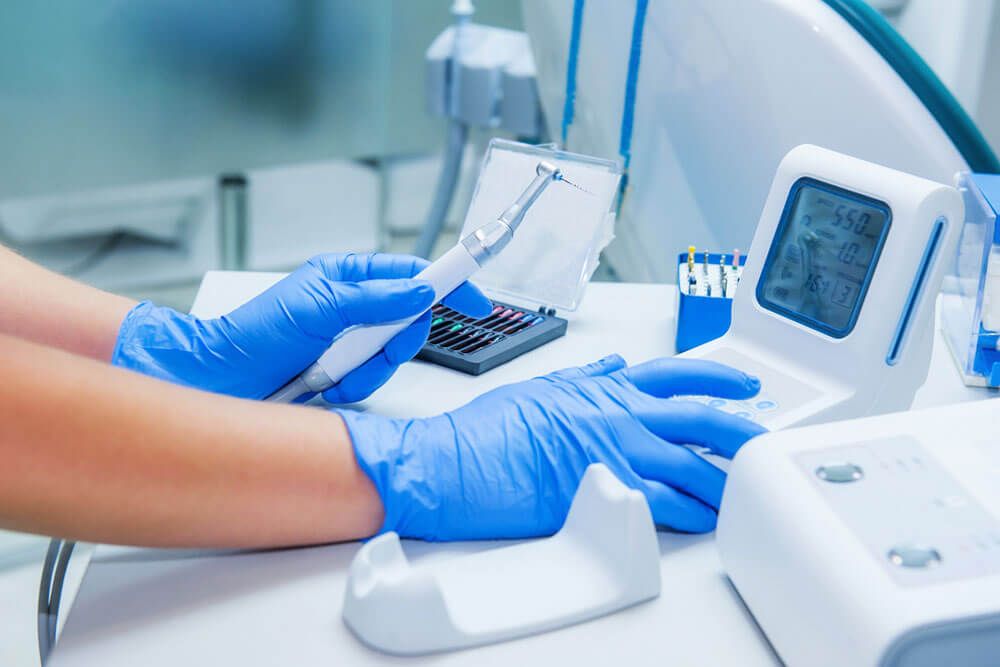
557	248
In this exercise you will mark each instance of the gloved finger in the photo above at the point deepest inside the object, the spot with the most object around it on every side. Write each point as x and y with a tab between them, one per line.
673	509
304	398
405	345
466	298
357	267
670	376
378	301
605	366
362	382
690	423
679	468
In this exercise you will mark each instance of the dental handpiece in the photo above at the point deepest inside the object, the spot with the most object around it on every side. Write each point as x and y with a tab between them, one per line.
359	344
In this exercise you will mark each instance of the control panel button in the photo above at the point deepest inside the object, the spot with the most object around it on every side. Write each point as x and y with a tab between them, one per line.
840	473
716	402
913	555
765	405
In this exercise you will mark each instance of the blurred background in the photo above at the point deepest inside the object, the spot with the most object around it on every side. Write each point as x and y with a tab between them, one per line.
145	142
118	118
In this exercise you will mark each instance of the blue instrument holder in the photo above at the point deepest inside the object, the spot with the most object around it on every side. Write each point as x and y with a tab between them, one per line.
702	318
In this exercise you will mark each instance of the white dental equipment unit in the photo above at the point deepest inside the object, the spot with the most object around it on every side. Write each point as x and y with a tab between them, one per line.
835	309
360	344
873	541
696	94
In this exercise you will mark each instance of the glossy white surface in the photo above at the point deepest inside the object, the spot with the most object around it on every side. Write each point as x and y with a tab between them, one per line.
284	607
724	90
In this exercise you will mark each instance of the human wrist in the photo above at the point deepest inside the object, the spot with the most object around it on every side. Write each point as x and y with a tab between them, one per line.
358	504
398	456
123	354
148	338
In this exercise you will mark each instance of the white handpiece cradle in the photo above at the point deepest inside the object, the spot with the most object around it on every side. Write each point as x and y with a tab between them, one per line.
835	309
606	557
359	344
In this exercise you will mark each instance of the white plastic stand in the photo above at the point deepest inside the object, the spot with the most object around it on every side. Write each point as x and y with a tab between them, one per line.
605	557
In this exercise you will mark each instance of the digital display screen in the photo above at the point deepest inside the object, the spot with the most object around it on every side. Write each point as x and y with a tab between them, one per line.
823	255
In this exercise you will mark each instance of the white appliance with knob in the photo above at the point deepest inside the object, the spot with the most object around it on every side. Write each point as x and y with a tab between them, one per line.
873	541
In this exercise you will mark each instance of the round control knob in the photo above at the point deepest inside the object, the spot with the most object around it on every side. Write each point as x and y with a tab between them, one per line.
914	555
840	473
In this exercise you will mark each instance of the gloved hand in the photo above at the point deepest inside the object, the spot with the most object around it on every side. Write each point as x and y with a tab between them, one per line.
508	464
261	345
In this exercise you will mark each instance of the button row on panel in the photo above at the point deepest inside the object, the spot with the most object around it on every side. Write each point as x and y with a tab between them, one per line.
749	409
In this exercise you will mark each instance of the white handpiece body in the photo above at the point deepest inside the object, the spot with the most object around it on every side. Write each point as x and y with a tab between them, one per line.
358	344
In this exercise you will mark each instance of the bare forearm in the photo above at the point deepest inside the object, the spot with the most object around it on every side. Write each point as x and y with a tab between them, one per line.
97	453
42	306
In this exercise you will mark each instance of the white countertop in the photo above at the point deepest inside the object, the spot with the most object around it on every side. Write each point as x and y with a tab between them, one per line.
159	608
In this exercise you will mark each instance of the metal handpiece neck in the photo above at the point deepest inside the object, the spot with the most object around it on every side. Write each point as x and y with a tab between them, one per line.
494	236
514	214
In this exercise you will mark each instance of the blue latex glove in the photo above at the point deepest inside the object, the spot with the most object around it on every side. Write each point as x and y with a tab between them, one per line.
508	464
261	345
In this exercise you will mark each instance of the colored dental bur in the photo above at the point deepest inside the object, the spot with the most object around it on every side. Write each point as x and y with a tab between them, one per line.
692	279
446	334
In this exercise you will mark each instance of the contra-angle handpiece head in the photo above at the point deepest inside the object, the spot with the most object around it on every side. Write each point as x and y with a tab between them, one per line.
494	236
545	173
